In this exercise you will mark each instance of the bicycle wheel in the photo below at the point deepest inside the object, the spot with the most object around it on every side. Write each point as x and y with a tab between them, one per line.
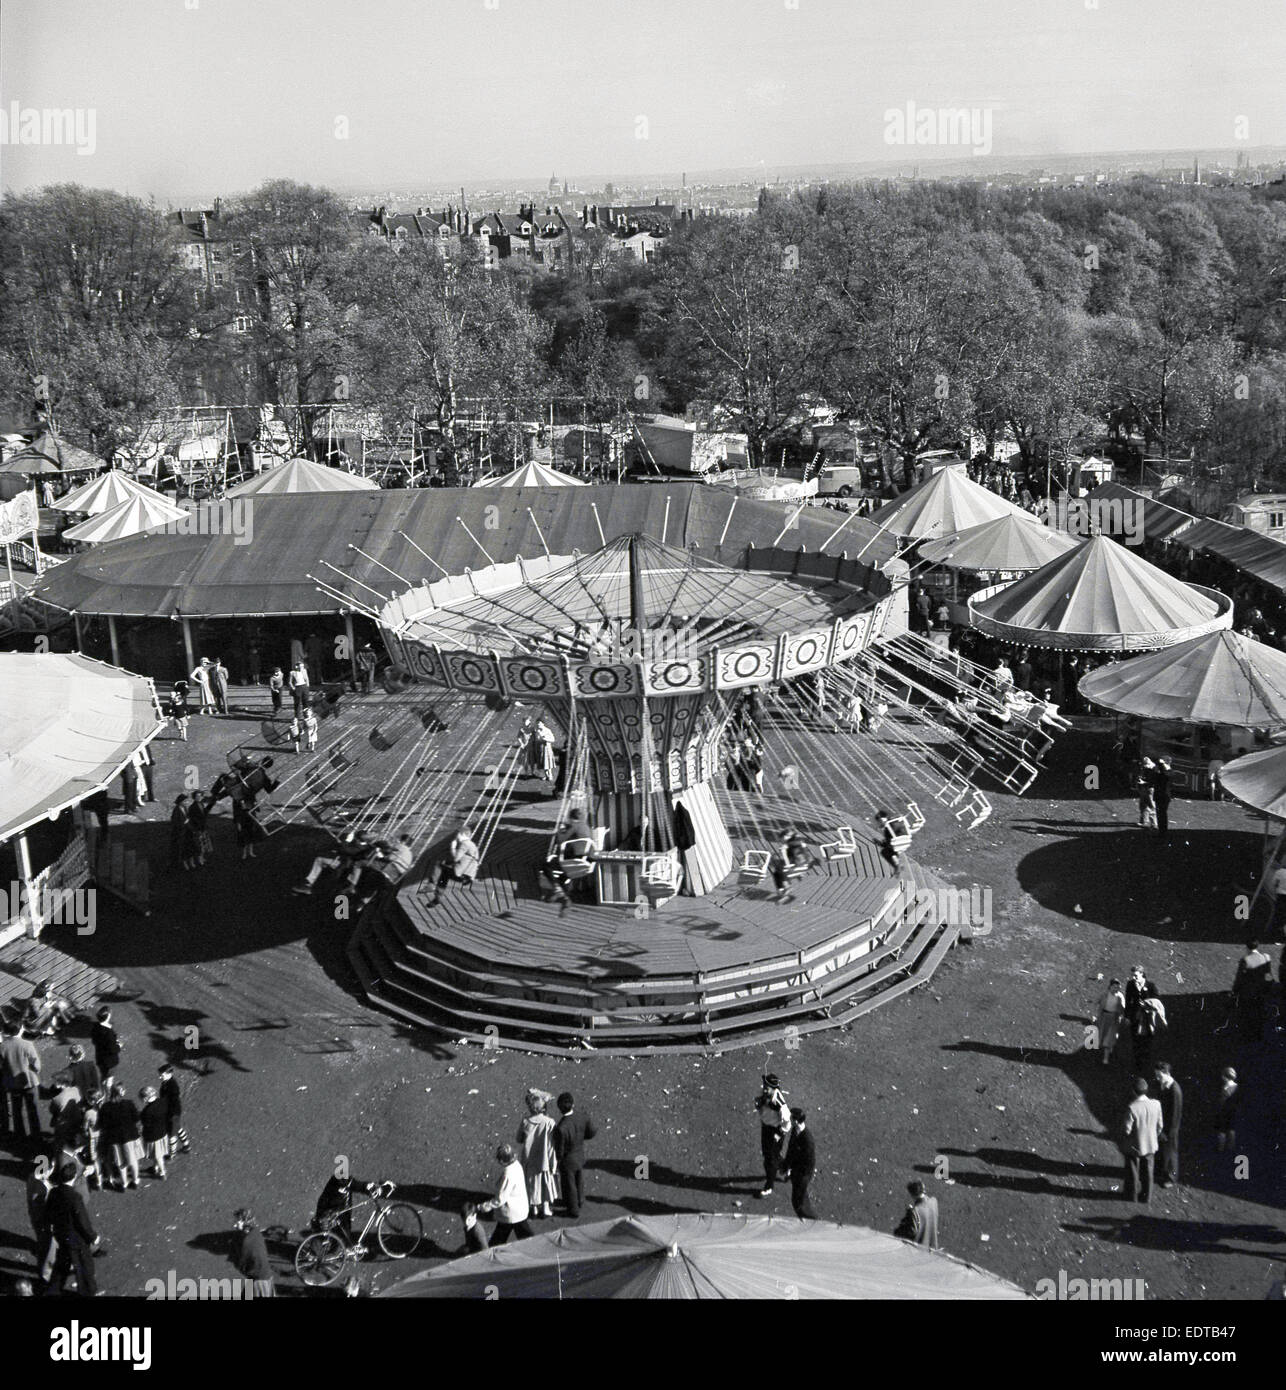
321	1258
399	1230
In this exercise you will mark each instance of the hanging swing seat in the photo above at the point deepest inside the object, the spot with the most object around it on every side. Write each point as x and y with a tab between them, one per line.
952	792
844	846
575	858
754	865
914	818
978	807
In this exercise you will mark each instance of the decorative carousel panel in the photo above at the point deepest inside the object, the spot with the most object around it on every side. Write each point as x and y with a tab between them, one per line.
425	663
806	651
749	665
851	635
604	682
538	680
675	677
396	651
467	671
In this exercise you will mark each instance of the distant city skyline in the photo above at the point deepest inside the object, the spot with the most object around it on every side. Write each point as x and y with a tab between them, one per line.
189	96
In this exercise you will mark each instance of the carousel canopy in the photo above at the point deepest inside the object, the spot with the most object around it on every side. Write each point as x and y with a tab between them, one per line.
640	585
1258	780
532	474
144	512
1010	544
1222	678
49	454
709	1256
943	505
70	724
102	494
213	572
301	475
1099	597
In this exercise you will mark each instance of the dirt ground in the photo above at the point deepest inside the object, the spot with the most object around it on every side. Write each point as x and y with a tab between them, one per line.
979	1082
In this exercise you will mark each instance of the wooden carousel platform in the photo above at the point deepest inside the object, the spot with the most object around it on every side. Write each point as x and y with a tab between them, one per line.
495	964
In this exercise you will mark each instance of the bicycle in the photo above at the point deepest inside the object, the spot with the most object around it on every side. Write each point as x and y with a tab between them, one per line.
323	1256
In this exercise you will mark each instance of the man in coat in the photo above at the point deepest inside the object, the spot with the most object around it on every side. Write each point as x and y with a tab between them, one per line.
1170	1094
70	1226
801	1164
1142	1140
20	1066
570	1134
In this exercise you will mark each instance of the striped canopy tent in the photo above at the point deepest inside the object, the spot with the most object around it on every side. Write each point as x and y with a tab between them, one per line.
943	505
49	454
1258	781
102	494
532	474
1011	544
147	512
1099	597
302	475
70	724
709	1255
1224	678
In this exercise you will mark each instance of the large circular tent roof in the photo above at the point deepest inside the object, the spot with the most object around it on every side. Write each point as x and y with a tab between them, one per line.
943	505
147	511
709	1256
1258	780
101	494
49	454
1223	678
1099	597
1013	544
70	724
301	475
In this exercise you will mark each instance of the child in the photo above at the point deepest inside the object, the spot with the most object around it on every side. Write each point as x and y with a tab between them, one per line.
94	1156
154	1120
1226	1113
310	729
1111	1010
172	1099
276	685
177	713
296	731
475	1234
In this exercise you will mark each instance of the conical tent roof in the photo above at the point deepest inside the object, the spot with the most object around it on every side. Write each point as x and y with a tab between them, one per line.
532	474
943	505
29	463
70	724
1222	678
145	513
1258	780
302	475
102	494
708	1255
1099	597
1012	544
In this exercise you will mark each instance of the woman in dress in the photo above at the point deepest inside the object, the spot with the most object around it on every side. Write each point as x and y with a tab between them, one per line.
121	1138
536	1143
201	679
1111	1011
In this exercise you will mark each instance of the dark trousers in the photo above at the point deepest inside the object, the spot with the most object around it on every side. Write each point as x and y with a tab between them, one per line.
501	1234
573	1175
276	700
1163	817
770	1149
74	1255
17	1101
1168	1160
300	696
1138	1177
799	1183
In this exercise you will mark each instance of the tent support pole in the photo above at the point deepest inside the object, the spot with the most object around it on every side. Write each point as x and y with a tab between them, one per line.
75	618
188	649
24	872
111	632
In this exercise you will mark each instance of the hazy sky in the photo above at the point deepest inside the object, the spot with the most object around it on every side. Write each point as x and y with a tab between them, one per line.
192	97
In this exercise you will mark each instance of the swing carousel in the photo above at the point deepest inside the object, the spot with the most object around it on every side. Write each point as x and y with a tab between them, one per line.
655	759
